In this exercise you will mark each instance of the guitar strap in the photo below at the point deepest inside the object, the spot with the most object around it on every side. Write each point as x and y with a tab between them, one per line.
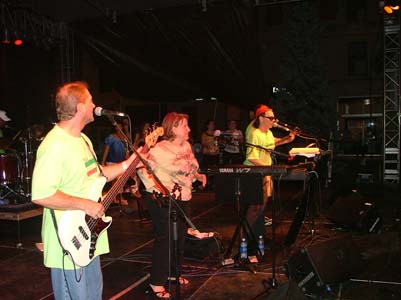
94	156
65	252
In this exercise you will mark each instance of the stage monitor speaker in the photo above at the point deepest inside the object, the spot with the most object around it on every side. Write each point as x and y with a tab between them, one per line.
248	187
354	211
287	291
330	262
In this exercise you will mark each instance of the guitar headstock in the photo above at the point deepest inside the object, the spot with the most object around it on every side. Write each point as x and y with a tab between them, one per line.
152	136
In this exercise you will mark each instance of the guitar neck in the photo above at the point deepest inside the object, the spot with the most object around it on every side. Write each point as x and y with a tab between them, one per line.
121	180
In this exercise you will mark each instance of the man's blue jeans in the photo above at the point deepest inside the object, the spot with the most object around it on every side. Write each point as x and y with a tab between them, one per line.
90	286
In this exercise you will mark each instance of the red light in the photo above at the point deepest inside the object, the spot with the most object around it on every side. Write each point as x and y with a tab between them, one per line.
18	42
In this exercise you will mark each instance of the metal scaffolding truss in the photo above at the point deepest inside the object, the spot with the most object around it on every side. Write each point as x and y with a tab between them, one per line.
67	61
40	31
31	27
391	126
273	2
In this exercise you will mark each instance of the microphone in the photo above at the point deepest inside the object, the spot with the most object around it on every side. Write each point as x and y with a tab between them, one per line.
100	111
277	125
218	132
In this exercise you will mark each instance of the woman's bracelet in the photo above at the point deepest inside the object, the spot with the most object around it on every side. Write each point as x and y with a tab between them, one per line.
124	165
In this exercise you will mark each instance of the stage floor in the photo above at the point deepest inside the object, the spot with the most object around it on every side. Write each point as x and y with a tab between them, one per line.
126	267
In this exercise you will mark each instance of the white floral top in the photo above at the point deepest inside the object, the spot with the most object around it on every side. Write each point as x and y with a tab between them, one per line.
172	164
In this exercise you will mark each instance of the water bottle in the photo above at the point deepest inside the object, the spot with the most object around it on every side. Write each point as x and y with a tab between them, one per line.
243	249
261	245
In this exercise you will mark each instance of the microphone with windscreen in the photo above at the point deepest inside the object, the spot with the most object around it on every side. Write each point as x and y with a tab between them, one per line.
100	111
218	133
283	127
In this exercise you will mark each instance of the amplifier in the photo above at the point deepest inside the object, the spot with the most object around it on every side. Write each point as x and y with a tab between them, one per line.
355	211
317	266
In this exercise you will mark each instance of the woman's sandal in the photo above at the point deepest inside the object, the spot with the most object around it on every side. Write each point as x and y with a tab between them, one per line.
183	281
161	294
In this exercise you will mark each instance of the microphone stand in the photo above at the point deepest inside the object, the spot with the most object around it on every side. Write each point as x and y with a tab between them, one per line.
172	203
273	280
300	133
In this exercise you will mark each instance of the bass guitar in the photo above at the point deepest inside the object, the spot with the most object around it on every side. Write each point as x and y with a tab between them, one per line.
78	233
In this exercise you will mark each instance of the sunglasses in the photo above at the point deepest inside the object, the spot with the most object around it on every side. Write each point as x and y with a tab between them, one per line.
270	118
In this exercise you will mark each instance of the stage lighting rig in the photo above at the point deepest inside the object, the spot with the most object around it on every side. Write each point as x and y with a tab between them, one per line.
390	6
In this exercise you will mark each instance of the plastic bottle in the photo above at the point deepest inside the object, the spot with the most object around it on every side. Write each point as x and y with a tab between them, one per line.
261	245
243	249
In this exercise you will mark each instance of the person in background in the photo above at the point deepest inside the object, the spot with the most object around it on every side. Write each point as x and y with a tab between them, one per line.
197	149
210	146
65	172
116	149
127	129
173	162
3	141
259	140
233	144
139	139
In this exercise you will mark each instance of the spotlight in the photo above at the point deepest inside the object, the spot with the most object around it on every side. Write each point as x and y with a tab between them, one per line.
391	9
17	40
390	6
278	90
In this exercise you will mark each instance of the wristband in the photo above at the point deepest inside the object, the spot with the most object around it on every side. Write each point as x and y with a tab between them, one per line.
124	165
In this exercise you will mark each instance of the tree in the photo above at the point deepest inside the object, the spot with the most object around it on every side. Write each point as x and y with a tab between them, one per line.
305	100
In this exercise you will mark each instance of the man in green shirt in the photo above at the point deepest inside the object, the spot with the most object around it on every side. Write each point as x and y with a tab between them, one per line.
260	140
65	175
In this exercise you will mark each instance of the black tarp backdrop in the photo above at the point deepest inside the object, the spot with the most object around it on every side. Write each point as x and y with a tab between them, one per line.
27	84
165	55
179	53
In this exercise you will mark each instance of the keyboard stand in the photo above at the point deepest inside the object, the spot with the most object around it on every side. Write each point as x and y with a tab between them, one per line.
243	228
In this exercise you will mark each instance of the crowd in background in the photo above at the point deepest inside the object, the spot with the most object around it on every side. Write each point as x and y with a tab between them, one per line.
212	147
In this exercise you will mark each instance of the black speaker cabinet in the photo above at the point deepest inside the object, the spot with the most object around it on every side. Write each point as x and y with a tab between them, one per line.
355	211
322	264
287	291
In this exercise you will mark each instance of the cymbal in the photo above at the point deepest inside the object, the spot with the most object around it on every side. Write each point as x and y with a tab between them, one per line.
32	133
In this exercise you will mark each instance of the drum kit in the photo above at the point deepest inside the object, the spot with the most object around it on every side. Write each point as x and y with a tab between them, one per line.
16	165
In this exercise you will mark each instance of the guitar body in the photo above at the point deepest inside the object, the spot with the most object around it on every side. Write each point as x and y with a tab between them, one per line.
74	232
78	232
